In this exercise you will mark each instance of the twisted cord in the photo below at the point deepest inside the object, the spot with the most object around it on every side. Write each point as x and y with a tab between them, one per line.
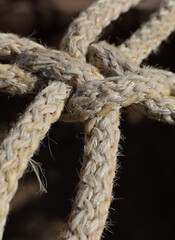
13	79
54	65
83	223
147	38
36	58
47	64
51	63
36	65
23	140
129	92
11	44
112	62
86	28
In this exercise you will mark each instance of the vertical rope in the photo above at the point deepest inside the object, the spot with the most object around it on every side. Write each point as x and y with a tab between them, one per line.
92	201
90	210
94	196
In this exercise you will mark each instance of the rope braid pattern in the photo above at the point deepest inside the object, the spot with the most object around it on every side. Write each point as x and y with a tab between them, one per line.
151	34
23	140
86	28
94	93
93	199
45	63
111	62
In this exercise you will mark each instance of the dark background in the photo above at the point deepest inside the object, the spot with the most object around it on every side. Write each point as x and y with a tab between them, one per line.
144	205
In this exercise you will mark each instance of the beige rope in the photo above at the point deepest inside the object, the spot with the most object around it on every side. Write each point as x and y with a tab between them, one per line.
112	62
93	199
11	44
15	80
86	28
99	97
83	223
151	34
146	39
96	98
23	140
46	63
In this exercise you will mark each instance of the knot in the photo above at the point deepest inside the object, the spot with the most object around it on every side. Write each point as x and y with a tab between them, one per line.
100	97
110	80
149	90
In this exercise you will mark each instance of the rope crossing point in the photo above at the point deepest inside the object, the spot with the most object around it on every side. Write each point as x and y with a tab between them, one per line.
95	92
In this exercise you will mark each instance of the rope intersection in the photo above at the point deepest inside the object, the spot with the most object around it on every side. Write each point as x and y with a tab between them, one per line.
85	82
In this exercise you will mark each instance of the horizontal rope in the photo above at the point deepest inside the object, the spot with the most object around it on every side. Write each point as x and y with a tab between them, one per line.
46	64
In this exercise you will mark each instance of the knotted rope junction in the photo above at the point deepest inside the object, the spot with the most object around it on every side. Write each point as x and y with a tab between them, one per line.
87	82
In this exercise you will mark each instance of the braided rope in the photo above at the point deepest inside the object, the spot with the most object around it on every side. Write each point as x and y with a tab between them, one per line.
151	34
86	28
45	63
23	140
15	80
93	199
98	90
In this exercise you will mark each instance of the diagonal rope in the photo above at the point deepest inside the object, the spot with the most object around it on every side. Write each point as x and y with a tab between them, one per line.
86	28
23	140
151	34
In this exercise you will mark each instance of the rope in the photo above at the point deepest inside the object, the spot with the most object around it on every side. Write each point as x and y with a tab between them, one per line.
86	28
45	63
93	199
23	140
151	34
15	80
94	93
